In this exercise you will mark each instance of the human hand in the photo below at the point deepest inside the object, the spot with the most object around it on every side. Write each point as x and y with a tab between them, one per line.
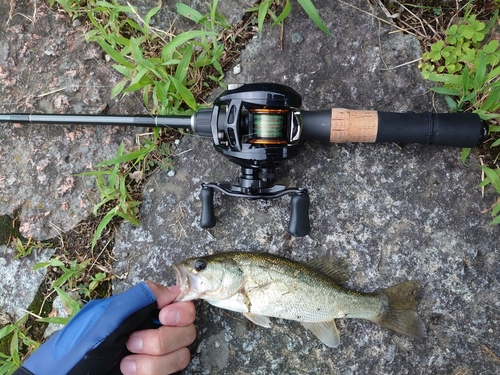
163	350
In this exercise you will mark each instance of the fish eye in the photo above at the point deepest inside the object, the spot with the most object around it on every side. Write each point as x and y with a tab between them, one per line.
200	265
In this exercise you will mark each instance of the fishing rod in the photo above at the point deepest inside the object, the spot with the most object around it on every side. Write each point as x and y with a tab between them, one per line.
259	125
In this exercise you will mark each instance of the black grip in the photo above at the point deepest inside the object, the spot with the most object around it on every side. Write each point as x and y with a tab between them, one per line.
444	129
316	125
299	225
207	219
22	371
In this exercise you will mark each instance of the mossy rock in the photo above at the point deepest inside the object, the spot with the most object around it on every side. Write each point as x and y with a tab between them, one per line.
9	227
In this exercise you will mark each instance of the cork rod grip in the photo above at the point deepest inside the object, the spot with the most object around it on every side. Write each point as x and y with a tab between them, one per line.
348	125
340	125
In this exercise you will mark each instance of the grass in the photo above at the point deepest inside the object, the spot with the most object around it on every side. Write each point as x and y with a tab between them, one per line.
270	7
171	71
462	57
174	74
466	64
17	336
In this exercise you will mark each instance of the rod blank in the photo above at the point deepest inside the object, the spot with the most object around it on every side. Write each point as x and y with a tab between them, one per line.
180	122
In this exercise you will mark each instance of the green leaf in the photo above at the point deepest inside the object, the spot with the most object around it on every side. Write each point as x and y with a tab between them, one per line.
487	116
118	88
213	9
102	225
492	176
135	26
465	78
62	280
188	12
493	74
128	217
7	330
496	209
54	320
451	103
314	15
218	67
139	85
492	102
465	154
134	156
115	55
180	39
446	91
470	97
151	14
286	11
53	263
183	66
491	47
263	8
14	347
112	161
480	70
446	78
114	171
496	220
186	95
135	45
139	74
72	304
123	70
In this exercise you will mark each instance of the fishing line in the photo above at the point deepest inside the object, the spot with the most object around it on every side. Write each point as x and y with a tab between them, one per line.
269	126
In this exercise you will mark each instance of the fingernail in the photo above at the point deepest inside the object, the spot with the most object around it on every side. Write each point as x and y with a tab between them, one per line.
134	343
169	317
128	367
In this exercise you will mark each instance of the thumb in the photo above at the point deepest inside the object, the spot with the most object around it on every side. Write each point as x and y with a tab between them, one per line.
164	295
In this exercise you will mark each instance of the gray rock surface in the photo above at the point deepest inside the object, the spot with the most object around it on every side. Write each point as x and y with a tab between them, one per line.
17	289
394	214
47	67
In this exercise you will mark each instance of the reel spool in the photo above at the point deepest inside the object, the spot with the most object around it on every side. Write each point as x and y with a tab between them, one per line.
257	126
269	126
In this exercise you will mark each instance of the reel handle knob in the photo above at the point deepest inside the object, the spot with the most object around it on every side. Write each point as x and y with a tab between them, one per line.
299	225
207	219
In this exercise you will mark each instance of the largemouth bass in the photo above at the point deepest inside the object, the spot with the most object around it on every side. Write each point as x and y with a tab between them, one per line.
262	285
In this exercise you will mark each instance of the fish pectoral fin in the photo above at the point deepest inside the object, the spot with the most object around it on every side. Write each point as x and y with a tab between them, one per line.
260	320
325	331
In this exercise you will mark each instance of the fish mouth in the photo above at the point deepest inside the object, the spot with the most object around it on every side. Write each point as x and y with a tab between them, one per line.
182	281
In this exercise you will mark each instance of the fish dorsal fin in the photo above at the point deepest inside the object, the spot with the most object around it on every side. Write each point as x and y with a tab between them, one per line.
332	266
260	320
325	331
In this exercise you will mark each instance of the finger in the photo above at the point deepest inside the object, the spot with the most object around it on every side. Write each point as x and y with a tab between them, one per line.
162	340
178	314
141	364
163	295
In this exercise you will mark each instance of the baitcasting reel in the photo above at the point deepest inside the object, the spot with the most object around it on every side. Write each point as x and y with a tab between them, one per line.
256	126
259	125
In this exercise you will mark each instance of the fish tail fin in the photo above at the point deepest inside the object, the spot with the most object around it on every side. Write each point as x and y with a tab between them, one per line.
400	314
